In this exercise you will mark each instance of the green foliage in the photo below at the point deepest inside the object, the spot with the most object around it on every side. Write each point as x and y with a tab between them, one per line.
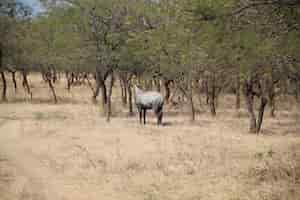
169	37
291	44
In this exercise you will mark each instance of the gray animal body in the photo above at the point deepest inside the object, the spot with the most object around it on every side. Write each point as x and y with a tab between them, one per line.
146	100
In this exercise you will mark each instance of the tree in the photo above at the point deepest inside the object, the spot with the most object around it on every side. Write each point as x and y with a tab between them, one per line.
12	15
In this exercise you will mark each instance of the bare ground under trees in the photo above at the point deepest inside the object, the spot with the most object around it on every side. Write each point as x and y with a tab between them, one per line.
68	151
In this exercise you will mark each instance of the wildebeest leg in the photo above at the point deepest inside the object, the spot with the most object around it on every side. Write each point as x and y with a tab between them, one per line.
145	111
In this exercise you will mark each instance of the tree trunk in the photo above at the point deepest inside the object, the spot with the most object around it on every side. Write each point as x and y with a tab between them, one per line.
104	94
59	75
26	84
150	84
54	74
96	93
157	84
109	112
69	80
198	85
130	105
262	106
238	93
212	95
4	84
13	77
249	92
190	98
90	84
249	97
206	91
52	90
250	108
191	102
139	80
100	85
97	90
147	84
272	105
122	90
271	93
72	78
297	89
49	77
125	93
167	90
212	106
123	83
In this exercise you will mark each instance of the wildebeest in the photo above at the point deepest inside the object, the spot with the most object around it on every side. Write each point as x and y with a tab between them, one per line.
145	100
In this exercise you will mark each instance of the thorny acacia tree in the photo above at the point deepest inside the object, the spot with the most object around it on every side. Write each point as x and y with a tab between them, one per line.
13	15
252	46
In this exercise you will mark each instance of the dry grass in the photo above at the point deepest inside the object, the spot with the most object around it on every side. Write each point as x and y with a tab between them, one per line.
68	151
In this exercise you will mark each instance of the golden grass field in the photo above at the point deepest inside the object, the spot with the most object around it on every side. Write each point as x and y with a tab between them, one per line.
68	152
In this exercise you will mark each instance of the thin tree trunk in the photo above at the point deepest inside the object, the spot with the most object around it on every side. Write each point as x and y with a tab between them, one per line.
189	95
139	80
52	90
49	77
150	85
167	90
104	94
69	81
199	92
123	83
191	102
217	95
125	93
263	104
72	78
157	84
249	97
190	98
206	91
4	84
25	83
212	106
69	84
272	105
271	93
130	105
13	77
59	76
249	102
212	96
90	85
97	90
122	90
96	93
109	112
285	88
297	89
238	93
200	99
54	74
147	84
100	85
